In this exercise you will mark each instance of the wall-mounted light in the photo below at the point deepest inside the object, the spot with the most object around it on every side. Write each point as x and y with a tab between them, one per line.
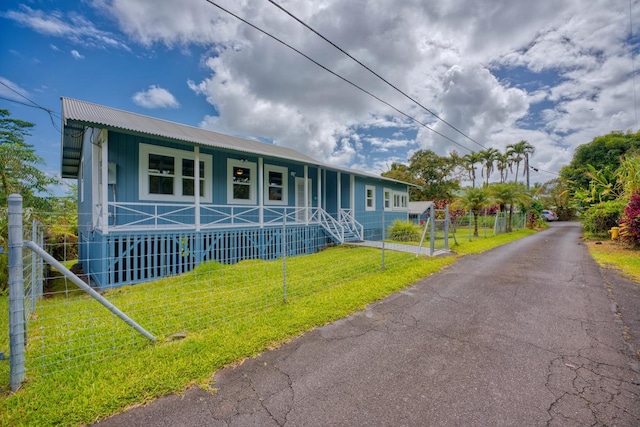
293	174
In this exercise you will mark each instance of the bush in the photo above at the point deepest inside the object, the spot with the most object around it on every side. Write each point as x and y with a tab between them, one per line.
404	231
630	232
599	219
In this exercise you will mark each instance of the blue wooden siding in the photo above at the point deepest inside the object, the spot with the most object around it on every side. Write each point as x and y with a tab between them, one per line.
128	258
373	221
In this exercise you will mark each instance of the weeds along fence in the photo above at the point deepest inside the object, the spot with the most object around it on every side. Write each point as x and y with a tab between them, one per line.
161	285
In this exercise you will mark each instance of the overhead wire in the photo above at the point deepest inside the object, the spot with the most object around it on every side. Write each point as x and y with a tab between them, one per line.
336	74
374	73
32	104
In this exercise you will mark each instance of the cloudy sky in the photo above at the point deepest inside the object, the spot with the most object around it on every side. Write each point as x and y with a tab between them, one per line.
554	73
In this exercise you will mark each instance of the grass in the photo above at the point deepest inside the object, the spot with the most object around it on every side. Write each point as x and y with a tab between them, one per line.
612	254
226	313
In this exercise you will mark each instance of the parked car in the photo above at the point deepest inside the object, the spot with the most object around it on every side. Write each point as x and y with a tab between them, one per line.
549	215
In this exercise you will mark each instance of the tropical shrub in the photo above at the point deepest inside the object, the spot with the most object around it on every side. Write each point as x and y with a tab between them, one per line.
630	223
599	218
404	231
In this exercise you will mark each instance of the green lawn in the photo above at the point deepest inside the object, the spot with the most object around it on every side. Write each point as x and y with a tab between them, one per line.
84	365
615	255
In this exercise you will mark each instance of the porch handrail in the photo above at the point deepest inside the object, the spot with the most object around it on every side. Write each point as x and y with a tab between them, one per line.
346	217
139	215
331	225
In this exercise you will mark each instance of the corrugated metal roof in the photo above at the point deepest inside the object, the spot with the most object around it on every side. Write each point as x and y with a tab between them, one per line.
77	114
418	208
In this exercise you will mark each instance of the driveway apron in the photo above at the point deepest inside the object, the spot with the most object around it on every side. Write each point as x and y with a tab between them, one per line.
528	334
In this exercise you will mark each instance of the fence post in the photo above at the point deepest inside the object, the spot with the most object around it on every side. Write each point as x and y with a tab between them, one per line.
16	294
446	228
432	235
284	255
383	237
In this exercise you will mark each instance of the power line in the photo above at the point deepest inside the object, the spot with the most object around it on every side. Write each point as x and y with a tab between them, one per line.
32	105
542	170
335	74
375	74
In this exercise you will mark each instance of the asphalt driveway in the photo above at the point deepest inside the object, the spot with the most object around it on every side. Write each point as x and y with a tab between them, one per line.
533	333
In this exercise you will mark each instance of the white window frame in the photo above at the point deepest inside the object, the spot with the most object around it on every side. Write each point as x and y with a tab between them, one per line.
387	198
400	201
253	184
178	155
368	188
285	184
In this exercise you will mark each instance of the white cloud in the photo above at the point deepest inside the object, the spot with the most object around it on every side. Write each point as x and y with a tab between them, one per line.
447	55
72	26
76	54
11	90
155	97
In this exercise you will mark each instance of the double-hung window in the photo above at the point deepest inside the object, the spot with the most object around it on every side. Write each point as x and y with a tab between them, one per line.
370	198
387	199
276	185
242	181
400	200
168	174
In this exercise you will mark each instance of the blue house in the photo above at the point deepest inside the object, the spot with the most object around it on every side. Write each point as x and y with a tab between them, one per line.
157	198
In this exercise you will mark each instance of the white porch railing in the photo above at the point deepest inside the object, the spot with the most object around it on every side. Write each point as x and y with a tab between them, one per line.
128	216
345	217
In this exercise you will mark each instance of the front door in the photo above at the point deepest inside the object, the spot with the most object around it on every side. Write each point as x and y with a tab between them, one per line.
302	214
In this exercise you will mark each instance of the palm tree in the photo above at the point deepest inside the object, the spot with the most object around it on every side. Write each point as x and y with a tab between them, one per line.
470	161
509	193
503	163
519	152
475	199
488	157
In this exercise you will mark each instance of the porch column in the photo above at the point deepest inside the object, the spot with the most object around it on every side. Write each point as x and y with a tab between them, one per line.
261	191
104	196
352	186
339	204
306	194
319	187
196	186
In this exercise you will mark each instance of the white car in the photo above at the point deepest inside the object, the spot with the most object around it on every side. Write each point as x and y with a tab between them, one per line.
549	215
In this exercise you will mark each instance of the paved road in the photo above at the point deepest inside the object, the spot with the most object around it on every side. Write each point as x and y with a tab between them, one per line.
533	333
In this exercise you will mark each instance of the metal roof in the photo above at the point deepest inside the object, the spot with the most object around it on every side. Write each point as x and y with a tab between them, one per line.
76	115
418	208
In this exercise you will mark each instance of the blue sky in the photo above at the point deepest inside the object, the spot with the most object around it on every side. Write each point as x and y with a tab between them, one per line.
556	74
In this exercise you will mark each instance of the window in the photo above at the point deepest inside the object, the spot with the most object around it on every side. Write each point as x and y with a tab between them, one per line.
400	200
167	174
387	199
241	182
276	185
188	177
370	203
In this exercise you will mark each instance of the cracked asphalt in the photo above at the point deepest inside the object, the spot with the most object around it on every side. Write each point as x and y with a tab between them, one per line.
533	333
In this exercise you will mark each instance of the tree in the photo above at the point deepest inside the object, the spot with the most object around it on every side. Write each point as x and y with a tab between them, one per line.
554	194
508	194
630	222
469	161
20	170
475	199
503	164
401	172
602	152
489	156
19	173
437	175
519	152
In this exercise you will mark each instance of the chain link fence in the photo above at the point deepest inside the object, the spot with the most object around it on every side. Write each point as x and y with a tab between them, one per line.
170	284
183	285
